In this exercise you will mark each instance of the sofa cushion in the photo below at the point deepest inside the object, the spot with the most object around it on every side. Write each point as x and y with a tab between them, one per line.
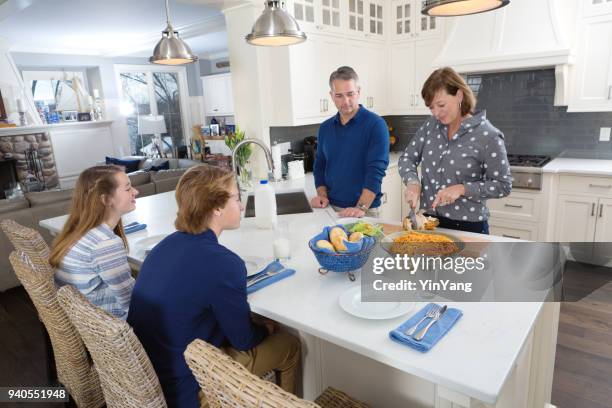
50	196
139	177
167	174
130	165
164	185
12	205
145	190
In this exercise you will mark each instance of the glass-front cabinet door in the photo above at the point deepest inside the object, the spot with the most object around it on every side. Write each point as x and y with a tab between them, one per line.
304	13
331	15
375	23
356	16
426	26
402	19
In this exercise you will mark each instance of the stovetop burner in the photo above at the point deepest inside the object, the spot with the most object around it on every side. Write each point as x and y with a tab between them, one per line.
528	160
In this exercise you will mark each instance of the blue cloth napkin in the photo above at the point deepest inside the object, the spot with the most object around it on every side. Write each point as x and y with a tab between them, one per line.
435	333
133	227
274	266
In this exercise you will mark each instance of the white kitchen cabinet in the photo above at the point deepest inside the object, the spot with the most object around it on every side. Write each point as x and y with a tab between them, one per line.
218	99
301	80
597	7
409	67
503	228
603	228
331	16
409	23
356	16
304	12
366	58
592	90
375	25
391	201
577	216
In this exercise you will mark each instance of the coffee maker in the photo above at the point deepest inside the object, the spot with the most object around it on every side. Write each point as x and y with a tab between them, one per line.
310	151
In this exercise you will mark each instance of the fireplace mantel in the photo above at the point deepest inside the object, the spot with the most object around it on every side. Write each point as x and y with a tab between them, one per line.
28	130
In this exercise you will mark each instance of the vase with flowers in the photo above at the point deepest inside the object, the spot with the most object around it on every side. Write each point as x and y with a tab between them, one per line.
242	155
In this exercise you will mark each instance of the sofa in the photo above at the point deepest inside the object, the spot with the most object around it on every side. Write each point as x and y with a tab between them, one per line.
34	207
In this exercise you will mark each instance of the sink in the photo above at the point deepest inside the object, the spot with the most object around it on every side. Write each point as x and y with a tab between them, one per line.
286	203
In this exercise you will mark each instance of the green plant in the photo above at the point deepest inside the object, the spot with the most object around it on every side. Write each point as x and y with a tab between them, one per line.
243	154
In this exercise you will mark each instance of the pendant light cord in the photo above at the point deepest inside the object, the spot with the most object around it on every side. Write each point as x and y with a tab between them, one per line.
167	12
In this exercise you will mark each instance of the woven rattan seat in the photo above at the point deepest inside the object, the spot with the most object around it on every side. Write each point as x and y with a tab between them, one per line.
74	369
226	383
126	373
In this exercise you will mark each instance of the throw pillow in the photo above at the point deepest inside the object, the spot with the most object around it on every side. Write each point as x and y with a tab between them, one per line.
129	165
161	166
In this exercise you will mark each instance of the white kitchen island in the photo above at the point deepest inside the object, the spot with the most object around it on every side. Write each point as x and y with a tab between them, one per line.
498	354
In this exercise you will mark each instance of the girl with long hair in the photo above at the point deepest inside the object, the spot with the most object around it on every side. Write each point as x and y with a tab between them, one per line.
91	251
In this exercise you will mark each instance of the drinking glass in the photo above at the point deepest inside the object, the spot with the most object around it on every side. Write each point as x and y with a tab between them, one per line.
281	245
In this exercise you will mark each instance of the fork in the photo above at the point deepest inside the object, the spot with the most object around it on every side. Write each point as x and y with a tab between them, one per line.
264	277
430	314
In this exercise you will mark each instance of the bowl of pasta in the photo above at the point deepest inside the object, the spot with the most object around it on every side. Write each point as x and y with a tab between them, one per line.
427	243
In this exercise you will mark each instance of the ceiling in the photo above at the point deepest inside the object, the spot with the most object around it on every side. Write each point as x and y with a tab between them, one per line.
111	27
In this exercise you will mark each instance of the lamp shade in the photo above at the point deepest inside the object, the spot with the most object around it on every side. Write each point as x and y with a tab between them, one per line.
171	50
275	27
450	8
151	125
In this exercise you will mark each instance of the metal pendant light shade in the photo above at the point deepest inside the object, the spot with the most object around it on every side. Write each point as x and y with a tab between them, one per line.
275	27
171	50
450	8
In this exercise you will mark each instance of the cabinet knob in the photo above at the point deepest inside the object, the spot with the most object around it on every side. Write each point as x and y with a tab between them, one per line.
592	209
609	92
600	210
510	236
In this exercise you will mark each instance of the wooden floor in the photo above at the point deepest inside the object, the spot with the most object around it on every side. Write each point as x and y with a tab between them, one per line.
583	366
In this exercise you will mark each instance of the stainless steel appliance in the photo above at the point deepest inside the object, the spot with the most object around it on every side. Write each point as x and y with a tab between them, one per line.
526	170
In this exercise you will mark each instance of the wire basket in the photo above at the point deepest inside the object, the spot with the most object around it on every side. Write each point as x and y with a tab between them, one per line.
342	262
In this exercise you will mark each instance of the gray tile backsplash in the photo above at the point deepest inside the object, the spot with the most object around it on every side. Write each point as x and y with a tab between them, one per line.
519	103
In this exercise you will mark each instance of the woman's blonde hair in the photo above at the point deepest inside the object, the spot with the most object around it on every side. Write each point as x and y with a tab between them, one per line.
199	192
87	209
448	79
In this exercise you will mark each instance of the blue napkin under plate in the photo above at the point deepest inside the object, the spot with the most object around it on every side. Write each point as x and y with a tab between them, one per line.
435	333
133	227
272	267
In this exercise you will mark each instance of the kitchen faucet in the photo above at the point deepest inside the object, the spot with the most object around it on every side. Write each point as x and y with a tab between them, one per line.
260	144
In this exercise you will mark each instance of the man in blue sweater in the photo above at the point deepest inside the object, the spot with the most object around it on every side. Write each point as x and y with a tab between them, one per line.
352	152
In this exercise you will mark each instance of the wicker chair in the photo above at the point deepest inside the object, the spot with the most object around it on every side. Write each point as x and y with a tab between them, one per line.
127	375
74	369
226	383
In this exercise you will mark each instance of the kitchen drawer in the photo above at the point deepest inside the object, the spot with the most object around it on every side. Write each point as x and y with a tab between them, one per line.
600	186
515	207
502	229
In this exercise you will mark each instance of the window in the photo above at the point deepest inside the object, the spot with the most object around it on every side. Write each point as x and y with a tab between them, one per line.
149	92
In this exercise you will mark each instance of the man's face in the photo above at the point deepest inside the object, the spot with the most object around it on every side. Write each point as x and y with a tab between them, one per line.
345	95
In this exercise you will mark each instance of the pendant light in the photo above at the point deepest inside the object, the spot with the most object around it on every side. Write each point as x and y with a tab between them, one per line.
450	8
171	50
275	27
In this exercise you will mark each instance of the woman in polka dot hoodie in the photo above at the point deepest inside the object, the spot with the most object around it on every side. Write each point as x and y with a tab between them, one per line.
462	157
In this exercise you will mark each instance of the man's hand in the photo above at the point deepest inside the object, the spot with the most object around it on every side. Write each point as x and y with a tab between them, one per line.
270	325
319	202
352	212
412	194
448	195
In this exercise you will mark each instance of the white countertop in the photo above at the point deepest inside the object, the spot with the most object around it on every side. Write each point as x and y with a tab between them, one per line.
474	358
591	167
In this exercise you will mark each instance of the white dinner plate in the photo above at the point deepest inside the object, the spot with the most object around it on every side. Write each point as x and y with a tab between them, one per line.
149	242
350	302
254	264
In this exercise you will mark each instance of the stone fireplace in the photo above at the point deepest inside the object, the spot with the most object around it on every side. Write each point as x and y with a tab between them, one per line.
34	161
